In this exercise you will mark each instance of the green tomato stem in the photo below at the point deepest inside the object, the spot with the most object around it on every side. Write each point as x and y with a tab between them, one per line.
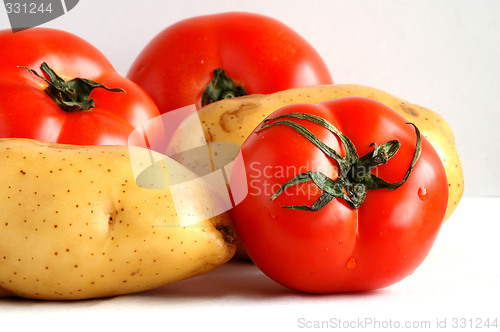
355	177
70	96
221	87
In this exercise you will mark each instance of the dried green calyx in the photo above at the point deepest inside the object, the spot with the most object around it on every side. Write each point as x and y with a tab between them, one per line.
221	87
73	95
355	177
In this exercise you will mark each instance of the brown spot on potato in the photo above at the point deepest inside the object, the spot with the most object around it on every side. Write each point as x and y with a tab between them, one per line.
409	109
233	118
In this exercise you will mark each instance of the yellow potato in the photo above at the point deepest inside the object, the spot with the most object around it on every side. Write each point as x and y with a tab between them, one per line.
74	224
232	120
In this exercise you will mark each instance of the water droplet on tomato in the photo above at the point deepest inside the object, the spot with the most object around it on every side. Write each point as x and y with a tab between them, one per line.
351	263
340	241
422	193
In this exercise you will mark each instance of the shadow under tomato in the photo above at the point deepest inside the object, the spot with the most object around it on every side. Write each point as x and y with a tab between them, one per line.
234	278
239	279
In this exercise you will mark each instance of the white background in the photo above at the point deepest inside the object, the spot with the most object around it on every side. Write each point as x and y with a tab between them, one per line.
441	54
444	55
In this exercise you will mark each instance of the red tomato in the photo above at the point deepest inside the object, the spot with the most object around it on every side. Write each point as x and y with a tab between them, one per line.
339	247
27	110
258	53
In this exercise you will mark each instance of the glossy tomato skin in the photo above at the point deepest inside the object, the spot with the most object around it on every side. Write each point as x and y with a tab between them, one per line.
261	53
338	248
28	112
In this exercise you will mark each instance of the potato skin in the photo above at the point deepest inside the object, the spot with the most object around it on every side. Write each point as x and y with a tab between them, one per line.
232	120
74	225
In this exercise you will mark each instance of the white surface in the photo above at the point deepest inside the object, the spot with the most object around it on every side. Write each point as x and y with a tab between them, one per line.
459	279
441	54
